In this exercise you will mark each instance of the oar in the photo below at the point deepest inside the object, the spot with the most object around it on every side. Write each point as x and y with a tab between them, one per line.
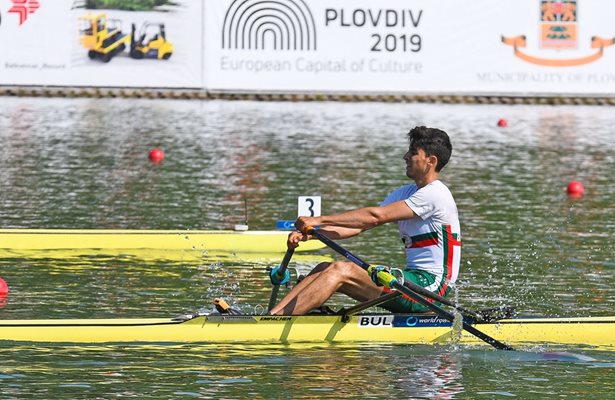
387	279
280	275
413	286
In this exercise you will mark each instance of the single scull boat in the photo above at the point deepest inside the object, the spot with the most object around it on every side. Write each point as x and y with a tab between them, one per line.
202	240
378	328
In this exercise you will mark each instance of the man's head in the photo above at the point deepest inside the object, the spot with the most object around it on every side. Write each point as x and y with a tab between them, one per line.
434	142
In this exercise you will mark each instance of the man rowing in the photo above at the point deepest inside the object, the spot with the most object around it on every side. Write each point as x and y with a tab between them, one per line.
428	222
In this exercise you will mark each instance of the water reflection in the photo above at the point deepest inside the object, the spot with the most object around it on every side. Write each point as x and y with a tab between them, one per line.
267	371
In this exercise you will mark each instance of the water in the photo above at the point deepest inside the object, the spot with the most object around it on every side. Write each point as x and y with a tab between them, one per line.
82	163
224	371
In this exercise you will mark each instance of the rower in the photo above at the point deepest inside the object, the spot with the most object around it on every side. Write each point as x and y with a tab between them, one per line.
427	218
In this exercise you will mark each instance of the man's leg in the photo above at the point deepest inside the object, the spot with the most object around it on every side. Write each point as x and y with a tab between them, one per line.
322	282
299	287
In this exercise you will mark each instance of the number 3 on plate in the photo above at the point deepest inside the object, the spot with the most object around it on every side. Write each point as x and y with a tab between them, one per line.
309	206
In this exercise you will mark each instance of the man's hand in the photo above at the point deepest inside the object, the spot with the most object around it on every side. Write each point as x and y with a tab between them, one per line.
294	238
302	223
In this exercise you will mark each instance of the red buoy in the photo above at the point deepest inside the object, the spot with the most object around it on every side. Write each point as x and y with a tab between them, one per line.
156	155
4	288
575	190
502	123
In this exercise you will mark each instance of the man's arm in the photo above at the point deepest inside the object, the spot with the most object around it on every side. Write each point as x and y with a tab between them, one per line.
361	219
332	232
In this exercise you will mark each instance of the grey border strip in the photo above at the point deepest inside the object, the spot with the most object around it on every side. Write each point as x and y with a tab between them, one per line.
197	94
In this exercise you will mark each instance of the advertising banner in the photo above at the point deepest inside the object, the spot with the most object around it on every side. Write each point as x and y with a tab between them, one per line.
474	47
101	43
418	46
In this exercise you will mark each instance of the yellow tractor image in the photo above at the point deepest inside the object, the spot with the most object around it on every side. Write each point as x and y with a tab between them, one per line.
104	39
150	42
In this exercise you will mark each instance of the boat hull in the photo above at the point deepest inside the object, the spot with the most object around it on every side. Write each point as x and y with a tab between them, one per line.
378	328
202	240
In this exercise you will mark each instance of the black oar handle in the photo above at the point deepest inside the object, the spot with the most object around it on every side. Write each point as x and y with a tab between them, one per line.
409	291
280	275
282	270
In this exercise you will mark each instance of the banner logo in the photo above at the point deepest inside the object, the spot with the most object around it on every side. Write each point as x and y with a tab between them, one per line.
558	24
23	8
558	30
269	24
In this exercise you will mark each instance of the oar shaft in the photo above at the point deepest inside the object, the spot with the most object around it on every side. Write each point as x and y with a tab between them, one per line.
450	317
410	293
280	274
434	296
416	288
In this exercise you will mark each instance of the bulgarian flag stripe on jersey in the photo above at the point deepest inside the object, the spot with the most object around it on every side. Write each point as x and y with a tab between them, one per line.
449	241
424	240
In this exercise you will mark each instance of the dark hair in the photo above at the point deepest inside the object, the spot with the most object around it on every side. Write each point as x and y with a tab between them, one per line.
434	142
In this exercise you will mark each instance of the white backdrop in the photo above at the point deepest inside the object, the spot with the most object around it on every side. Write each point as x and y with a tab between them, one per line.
385	46
427	46
45	48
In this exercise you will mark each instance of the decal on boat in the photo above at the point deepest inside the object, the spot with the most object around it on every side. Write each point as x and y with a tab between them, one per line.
275	318
231	318
376	321
401	321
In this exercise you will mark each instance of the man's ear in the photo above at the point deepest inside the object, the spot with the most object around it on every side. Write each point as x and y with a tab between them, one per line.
432	160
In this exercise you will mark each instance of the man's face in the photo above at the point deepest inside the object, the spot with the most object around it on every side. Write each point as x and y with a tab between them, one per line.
416	163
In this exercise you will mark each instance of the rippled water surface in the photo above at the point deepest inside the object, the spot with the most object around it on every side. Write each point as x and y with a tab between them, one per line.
82	163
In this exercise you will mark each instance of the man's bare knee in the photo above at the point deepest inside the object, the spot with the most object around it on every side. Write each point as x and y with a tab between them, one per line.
321	267
342	269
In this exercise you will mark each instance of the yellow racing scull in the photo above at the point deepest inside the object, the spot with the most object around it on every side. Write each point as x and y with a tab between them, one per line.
597	332
202	240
